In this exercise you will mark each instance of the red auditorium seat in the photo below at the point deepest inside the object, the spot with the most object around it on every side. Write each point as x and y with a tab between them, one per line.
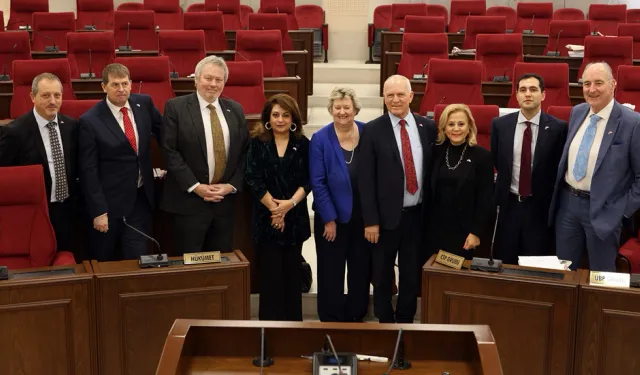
245	11
195	7
628	87
461	9
543	13
150	75
311	16
22	50
212	25
22	10
452	81
507	12
615	51
556	82
142	31
77	108
168	13
418	49
632	30
633	15
400	11
287	7
573	32
437	10
230	12
130	6
272	21
246	85
27	240
482	114
568	14
424	24
605	18
48	26
2	20
185	48
102	46
482	25
560	112
498	54
381	21
262	45
97	13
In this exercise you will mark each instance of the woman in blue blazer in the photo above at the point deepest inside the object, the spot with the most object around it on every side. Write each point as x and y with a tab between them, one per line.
338	224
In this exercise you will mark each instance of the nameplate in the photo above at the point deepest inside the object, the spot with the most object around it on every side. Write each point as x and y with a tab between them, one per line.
202	258
449	260
619	280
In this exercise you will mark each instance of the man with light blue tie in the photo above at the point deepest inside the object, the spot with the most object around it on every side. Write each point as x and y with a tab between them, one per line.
598	182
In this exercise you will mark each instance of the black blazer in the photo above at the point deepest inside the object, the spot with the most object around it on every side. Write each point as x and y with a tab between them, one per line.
281	177
108	165
474	192
380	172
21	144
185	153
552	134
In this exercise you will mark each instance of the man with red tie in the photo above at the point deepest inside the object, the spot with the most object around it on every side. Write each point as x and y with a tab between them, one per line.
396	153
115	167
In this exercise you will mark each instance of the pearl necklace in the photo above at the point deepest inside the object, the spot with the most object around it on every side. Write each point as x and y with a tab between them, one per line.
353	143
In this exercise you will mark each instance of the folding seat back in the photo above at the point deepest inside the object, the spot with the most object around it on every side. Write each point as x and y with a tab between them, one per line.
185	48
246	85
311	17
605	17
130	6
633	15
482	25
632	30
498	54
615	51
418	49
21	12
437	10
14	46
287	7
269	21
381	22
150	75
230	12
102	46
452	81
245	11
51	29
195	7
568	14
560	112
562	33
483	115
628	87
461	9
556	82
400	11
77	108
534	16
424	24
508	13
262	45
96	13
142	31
168	13
212	25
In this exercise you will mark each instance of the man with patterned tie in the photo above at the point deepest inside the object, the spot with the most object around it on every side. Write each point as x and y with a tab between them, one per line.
115	167
43	136
598	181
204	144
526	148
396	153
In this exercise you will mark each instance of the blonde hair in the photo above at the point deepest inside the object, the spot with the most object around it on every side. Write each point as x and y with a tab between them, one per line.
343	92
444	119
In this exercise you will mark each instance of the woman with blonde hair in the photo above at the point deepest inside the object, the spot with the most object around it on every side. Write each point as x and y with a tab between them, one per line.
461	185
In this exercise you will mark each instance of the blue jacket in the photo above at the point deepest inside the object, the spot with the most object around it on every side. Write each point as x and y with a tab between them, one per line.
329	176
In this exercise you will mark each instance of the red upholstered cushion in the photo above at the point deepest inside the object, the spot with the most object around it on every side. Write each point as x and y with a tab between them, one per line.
76	108
418	49
606	17
424	24
153	72
185	48
262	45
230	12
543	13
261	21
400	11
54	26
452	81
615	51
212	25
461	9
246	85
22	50
556	82
498	53
102	47
573	32
561	112
142	30
310	16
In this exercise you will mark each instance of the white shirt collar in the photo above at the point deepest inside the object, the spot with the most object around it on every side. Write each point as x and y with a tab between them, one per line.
396	120
42	122
203	103
535	120
604	113
115	109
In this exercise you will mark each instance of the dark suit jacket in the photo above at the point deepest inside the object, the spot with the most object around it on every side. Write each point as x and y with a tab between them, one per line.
21	144
552	134
108	165
185	152
381	175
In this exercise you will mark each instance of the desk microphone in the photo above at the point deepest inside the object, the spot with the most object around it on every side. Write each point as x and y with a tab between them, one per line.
441	100
556	53
400	29
126	47
530	31
335	354
462	30
398	361
4	273
595	32
277	10
52	48
173	74
90	74
484	264
148	261
92	26
25	27
421	75
140	88
263	360
5	76
502	78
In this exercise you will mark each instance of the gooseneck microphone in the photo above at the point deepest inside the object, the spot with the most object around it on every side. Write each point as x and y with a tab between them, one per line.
441	100
140	87
502	78
263	360
530	31
556	52
126	47
149	261
335	354
173	74
394	362
5	76
484	264
52	48
90	74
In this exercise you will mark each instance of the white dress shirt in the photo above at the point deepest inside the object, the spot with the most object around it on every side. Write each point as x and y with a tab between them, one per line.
517	147
120	119
585	183
206	120
416	149
44	133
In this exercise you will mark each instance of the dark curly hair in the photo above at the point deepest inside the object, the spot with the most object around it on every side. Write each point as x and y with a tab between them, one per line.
288	104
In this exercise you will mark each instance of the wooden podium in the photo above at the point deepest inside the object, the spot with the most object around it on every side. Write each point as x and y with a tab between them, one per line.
228	347
533	317
136	307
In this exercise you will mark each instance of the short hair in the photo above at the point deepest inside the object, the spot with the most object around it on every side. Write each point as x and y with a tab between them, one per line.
288	104
115	70
40	77
398	77
605	65
213	60
531	75
472	138
343	92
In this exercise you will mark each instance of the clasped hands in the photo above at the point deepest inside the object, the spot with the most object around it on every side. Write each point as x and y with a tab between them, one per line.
213	192
279	210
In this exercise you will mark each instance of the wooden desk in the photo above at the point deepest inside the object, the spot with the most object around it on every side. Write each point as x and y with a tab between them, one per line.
574	63
137	307
533	319
227	347
608	336
47	322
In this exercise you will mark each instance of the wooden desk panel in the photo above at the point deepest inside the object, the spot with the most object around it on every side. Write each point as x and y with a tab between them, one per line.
574	63
48	323
137	307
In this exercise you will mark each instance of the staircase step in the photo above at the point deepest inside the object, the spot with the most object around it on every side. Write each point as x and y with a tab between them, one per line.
351	71
367	93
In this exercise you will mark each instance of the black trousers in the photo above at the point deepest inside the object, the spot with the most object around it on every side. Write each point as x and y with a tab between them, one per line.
280	277
405	241
522	231
350	246
132	244
61	215
206	231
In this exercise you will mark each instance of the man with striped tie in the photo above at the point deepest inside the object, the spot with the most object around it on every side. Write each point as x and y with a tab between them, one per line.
598	181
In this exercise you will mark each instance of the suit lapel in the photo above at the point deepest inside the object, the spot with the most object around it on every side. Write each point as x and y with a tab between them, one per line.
509	136
388	134
289	155
141	121
37	136
440	155
466	165
609	134
196	119
111	122
335	144
65	135
541	141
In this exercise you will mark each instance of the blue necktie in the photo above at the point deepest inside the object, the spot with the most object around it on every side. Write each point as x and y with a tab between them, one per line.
580	167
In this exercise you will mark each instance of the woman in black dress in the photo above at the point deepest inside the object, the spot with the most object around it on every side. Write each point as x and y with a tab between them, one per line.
461	185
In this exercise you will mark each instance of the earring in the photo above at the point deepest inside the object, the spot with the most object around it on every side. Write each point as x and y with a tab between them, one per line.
293	127
267	126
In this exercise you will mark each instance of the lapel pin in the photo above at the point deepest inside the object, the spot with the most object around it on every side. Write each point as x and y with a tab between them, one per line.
228	110
610	132
138	105
295	149
468	160
546	127
62	122
420	125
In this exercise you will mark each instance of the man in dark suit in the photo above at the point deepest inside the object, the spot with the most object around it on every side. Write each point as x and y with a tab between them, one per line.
204	142
393	176
115	165
43	136
598	180
526	148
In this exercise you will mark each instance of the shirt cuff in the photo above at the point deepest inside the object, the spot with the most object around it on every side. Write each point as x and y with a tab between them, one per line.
191	189
233	189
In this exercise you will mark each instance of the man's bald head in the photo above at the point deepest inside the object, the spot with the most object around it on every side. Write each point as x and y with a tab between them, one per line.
397	95
598	85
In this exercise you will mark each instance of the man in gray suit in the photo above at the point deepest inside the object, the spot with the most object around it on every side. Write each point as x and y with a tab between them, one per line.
598	181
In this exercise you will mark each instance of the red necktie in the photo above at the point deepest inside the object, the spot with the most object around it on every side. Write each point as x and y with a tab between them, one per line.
524	187
407	158
128	129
